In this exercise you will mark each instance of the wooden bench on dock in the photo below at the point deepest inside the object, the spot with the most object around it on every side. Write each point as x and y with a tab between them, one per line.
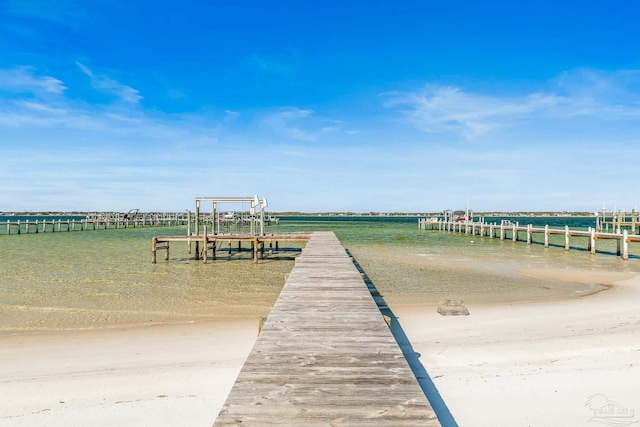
325	355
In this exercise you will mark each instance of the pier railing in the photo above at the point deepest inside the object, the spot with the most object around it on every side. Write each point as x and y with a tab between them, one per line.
507	230
93	221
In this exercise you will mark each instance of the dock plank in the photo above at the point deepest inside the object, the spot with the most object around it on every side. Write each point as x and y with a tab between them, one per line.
325	355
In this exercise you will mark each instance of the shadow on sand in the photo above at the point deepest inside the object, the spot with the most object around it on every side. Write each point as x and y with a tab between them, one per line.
413	358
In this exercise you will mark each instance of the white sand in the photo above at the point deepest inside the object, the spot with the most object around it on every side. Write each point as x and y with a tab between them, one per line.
176	375
535	364
528	364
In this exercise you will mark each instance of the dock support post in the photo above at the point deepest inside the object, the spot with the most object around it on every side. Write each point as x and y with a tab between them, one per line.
619	244
254	243
501	231
592	240
205	249
514	232
154	244
546	236
197	228
625	245
529	234
189	231
566	238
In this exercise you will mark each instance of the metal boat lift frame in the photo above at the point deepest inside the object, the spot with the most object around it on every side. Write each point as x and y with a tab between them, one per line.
254	201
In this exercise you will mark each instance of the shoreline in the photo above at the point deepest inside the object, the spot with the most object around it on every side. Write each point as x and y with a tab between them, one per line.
522	355
549	363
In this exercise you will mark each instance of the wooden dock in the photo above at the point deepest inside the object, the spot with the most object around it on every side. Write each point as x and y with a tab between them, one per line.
91	222
618	220
325	355
513	232
208	246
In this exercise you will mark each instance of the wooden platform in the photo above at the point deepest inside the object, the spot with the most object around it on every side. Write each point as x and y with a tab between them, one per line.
206	243
325	356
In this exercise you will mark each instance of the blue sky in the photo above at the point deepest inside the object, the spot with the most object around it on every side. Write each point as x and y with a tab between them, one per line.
356	106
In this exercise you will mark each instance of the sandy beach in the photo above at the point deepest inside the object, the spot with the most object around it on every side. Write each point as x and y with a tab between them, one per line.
545	362
177	375
553	363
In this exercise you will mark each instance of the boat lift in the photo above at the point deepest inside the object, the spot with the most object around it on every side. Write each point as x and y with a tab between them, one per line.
254	202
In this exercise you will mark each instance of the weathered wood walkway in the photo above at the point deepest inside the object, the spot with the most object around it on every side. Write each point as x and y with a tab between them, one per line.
325	356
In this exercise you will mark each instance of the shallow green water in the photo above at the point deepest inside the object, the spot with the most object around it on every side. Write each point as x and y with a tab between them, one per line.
105	278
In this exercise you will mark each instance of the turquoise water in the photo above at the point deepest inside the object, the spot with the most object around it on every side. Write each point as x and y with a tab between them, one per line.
105	278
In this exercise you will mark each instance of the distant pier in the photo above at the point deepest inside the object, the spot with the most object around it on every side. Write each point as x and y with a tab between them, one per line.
94	221
616	221
513	231
325	355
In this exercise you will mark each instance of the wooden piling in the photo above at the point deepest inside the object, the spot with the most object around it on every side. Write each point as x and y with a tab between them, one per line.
546	236
621	235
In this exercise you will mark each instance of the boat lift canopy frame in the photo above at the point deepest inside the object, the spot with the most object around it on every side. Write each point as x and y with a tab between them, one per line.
254	201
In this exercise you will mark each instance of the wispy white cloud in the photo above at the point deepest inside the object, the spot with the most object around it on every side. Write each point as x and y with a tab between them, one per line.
23	114
25	80
606	94
446	108
230	115
439	108
110	86
288	121
300	124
